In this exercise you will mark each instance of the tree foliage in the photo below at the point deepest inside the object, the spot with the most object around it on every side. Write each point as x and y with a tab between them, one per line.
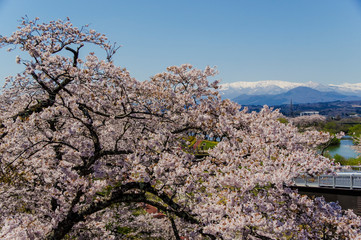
86	149
355	131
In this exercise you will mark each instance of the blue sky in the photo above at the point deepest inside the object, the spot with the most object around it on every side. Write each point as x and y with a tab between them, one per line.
248	40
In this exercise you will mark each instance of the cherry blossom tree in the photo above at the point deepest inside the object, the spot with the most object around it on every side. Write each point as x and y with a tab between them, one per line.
85	149
310	121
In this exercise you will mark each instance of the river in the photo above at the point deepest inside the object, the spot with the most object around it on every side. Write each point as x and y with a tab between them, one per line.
344	149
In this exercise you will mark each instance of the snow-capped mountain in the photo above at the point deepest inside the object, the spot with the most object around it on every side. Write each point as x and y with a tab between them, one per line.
347	88
296	95
273	87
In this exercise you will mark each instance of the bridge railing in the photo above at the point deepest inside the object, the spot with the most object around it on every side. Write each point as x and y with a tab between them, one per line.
342	180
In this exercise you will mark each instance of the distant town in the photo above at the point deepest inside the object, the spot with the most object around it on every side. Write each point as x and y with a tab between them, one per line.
335	109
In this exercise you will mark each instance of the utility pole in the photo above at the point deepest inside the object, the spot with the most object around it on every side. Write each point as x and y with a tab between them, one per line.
291	109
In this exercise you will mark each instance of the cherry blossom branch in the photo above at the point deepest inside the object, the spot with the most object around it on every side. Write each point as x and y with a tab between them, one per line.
174	227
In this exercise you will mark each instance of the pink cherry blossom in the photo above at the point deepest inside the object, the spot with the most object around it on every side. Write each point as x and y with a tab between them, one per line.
85	148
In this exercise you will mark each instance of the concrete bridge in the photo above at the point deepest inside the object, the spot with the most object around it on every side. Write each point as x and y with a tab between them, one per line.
350	180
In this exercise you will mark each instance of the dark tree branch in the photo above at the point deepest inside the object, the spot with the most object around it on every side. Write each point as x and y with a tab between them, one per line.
42	84
76	54
36	108
120	195
175	230
115	152
257	235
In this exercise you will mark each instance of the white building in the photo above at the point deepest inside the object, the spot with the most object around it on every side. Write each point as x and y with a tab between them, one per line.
309	113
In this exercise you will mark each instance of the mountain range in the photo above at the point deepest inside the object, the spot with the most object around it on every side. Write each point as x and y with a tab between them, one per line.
281	92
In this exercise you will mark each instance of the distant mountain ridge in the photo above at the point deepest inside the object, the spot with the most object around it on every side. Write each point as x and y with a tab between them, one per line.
331	109
298	95
274	87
